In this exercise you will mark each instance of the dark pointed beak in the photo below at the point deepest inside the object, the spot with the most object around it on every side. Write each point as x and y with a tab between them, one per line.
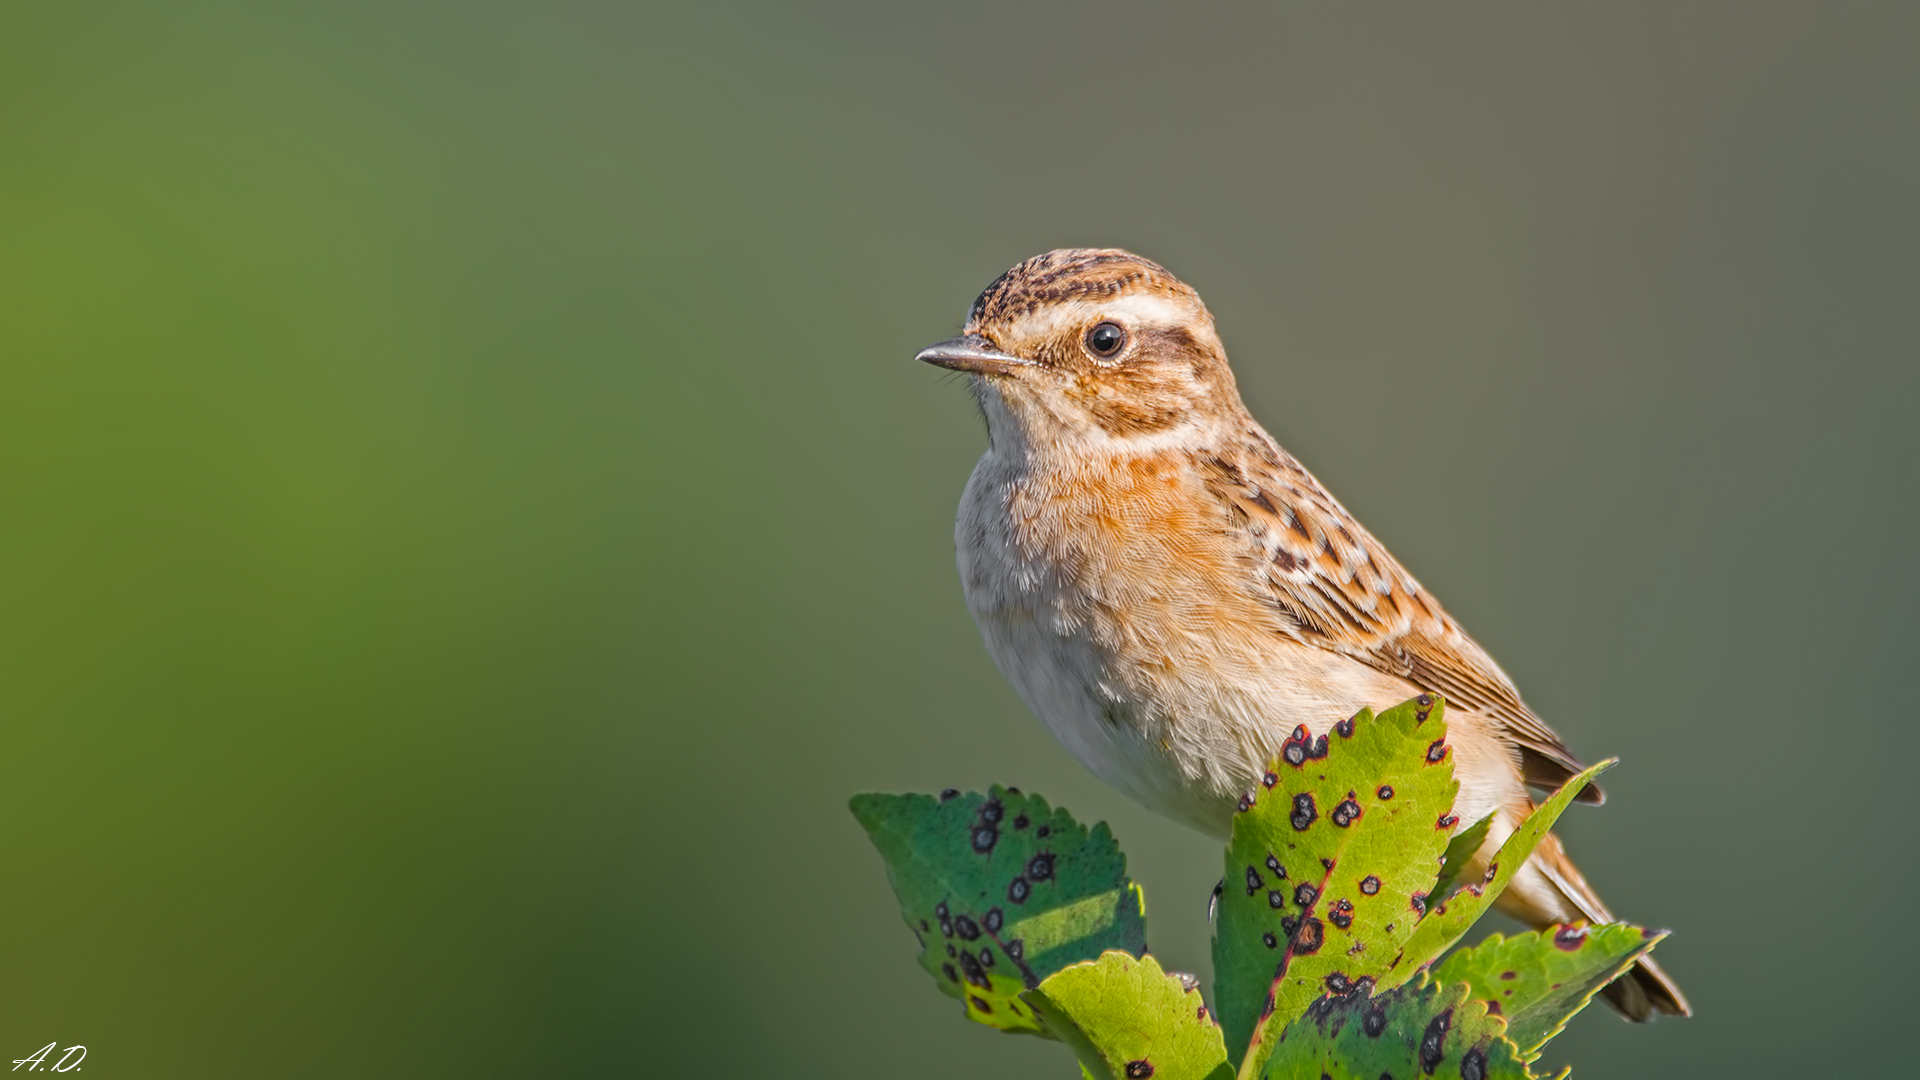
970	352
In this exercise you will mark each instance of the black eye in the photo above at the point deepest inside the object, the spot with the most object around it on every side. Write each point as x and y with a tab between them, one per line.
1106	340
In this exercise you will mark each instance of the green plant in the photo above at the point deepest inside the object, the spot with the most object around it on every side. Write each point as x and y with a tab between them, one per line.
1341	895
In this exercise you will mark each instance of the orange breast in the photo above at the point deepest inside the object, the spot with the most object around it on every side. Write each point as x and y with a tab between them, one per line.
1155	555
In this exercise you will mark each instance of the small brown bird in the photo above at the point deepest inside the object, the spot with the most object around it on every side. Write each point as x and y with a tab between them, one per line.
1173	593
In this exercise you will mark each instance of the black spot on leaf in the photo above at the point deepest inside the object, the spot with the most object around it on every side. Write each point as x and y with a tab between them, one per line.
1346	813
1021	822
1269	779
983	839
1311	935
1370	885
1017	948
993	920
1044	831
1254	883
1447	821
1436	751
1273	864
991	811
1345	727
1269	940
1341	913
966	928
1246	803
1338	983
1275	900
1474	1065
1137	1070
1294	750
1433	1041
1570	938
1385	792
978	1004
940	909
1304	812
1040	867
986	957
976	974
1305	895
949	794
952	975
1017	892
1374	1022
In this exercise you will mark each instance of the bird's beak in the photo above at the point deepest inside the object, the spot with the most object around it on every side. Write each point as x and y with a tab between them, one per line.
971	352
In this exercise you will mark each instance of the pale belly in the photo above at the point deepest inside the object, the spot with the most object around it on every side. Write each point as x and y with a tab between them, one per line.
1169	693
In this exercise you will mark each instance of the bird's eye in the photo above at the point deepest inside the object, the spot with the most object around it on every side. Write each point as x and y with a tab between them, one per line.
1106	340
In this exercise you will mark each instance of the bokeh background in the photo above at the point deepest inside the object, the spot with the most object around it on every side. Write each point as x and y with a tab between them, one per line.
470	516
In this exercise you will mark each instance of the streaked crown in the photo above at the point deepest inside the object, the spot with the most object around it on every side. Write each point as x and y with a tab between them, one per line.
1074	273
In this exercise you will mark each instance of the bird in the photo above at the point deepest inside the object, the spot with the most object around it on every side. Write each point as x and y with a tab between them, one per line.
1173	593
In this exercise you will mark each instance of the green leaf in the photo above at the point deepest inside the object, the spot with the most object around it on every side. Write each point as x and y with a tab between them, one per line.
1459	850
1449	919
1126	1018
1538	981
1329	861
1422	1028
1002	891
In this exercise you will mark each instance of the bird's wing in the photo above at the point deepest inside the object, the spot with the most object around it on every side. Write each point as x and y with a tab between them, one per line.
1341	590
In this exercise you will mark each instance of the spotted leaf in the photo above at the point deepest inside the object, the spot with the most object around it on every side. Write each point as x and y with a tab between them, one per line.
1332	855
1125	1019
1538	981
1461	848
1449	919
1419	1029
1002	891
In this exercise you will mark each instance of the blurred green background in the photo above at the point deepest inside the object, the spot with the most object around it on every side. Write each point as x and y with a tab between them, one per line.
471	516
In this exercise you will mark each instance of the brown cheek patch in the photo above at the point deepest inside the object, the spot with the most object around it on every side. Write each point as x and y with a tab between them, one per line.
1145	395
1120	416
1134	398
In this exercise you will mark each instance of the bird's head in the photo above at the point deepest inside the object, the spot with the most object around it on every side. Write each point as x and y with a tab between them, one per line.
1085	350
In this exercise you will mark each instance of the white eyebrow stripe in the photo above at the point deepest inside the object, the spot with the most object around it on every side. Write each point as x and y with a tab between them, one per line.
1137	309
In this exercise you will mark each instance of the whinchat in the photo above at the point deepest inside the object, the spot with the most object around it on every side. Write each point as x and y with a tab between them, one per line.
1173	593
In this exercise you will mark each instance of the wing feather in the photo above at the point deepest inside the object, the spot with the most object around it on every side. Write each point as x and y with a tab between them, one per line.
1338	588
